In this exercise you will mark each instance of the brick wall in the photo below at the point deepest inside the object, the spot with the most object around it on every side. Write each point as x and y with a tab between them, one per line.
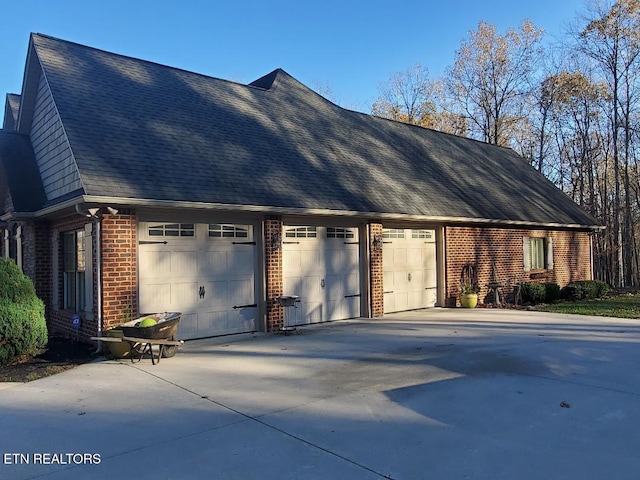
376	273
119	268
273	260
571	257
43	263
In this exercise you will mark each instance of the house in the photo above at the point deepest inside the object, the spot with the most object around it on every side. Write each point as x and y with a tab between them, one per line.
130	187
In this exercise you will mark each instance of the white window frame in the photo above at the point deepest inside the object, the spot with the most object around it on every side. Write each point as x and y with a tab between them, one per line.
542	257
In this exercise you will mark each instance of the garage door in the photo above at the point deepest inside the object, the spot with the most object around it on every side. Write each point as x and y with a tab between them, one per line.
409	261
205	271
321	265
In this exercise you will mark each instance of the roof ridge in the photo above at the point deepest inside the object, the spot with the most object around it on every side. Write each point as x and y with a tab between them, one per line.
141	60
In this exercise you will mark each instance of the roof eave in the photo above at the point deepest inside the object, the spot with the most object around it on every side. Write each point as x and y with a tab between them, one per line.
266	209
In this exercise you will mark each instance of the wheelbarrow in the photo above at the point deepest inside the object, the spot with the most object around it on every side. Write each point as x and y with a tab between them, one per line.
143	338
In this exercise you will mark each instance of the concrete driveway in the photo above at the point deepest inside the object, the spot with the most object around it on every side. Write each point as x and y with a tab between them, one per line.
436	394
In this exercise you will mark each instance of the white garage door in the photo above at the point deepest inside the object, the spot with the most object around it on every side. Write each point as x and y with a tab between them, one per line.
409	261
205	271
321	265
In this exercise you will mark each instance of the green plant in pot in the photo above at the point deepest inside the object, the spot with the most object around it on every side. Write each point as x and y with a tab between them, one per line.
118	349
469	287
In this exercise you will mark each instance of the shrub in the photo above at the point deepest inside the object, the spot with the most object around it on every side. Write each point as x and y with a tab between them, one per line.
552	292
532	292
584	290
23	329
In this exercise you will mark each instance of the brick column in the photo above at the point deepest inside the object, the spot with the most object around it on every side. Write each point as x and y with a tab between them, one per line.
376	270
119	269
273	260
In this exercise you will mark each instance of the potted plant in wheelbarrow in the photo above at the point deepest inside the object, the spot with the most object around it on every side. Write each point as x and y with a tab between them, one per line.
469	287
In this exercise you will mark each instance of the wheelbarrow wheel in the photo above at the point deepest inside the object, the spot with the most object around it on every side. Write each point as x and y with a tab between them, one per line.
169	350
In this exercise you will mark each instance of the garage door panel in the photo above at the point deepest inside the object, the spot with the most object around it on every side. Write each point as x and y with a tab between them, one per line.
351	284
155	294
184	263
188	326
154	264
409	269
207	275
214	262
242	261
415	257
183	293
240	292
322	266
216	292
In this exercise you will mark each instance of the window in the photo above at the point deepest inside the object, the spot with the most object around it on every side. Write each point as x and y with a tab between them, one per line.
218	230
422	234
340	233
392	233
538	253
301	232
74	258
172	230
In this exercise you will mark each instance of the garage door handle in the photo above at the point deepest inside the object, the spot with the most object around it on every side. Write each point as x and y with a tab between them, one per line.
390	291
351	296
151	242
252	305
201	292
409	276
243	243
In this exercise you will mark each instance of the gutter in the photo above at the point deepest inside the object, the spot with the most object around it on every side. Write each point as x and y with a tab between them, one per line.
398	217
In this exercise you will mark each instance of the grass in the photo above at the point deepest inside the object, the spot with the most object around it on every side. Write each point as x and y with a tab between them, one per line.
621	306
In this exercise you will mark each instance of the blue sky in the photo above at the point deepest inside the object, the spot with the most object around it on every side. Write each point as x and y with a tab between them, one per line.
349	46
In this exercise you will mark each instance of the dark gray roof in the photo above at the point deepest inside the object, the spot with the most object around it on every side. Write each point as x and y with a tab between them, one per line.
143	130
19	176
11	108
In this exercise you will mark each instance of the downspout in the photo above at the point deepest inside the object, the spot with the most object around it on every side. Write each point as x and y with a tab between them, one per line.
97	231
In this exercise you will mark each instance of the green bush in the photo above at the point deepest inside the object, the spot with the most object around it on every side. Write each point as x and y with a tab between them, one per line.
584	290
23	329
552	292
532	292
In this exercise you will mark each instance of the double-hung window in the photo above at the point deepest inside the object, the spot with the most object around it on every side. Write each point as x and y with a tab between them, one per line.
538	253
74	262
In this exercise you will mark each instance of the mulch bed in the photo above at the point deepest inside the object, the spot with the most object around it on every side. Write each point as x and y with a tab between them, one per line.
58	355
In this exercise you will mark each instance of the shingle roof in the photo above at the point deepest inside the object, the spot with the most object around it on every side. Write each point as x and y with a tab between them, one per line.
143	130
11	108
19	174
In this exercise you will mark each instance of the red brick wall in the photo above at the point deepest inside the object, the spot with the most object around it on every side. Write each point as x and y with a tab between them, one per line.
119	269
571	257
376	272
273	260
43	264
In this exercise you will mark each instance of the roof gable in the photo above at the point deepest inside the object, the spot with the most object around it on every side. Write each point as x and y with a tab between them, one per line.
140	130
20	185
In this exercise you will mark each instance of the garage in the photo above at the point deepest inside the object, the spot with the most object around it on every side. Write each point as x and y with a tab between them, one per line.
321	265
205	271
409	269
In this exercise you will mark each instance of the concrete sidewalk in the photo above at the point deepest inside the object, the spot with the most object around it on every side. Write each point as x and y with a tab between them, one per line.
434	394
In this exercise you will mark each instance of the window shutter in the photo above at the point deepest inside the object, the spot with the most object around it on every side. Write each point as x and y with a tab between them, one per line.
549	253
526	250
